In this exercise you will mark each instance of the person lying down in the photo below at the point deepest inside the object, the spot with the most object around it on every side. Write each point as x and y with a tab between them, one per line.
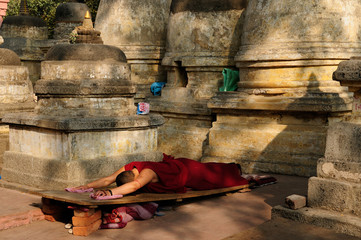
172	175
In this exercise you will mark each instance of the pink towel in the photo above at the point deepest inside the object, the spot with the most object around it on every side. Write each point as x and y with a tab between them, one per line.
73	190
105	197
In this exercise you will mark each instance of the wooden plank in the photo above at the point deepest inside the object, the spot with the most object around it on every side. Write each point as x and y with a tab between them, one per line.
83	199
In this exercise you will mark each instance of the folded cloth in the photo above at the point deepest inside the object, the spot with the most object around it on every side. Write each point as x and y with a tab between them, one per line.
120	216
156	88
110	218
92	195
112	225
259	180
73	190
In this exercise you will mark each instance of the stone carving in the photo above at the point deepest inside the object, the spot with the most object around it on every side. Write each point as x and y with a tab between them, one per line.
84	125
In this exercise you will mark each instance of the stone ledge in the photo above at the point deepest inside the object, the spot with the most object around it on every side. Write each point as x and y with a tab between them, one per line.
341	223
85	123
335	195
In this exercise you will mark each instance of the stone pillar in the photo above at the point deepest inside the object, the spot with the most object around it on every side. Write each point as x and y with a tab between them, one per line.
277	120
84	125
67	17
25	35
16	93
197	53
334	196
139	29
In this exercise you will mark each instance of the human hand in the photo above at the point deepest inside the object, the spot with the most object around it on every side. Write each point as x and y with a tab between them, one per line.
82	187
102	193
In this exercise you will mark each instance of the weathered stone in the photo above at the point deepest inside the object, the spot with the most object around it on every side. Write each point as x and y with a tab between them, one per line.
184	135
339	170
195	57
285	64
140	31
348	74
26	36
335	195
16	93
71	12
85	52
57	174
8	57
85	117
75	123
4	142
343	142
267	142
342	223
295	201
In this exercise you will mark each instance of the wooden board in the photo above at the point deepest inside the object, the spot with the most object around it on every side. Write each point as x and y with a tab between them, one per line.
83	199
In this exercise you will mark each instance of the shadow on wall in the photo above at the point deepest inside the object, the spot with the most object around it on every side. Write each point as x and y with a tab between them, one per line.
305	119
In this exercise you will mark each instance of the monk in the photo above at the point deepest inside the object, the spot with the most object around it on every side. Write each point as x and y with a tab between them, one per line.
169	176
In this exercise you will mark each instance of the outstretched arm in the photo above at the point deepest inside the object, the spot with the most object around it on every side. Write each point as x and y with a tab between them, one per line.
102	182
146	176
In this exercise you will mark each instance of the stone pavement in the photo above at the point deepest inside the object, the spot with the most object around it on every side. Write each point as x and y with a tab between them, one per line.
235	216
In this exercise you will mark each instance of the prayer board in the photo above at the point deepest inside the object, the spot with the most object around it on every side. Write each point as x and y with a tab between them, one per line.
83	199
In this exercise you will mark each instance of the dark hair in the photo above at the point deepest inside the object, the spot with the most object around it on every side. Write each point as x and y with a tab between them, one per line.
124	177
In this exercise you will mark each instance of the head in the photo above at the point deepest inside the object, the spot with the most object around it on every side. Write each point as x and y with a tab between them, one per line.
124	177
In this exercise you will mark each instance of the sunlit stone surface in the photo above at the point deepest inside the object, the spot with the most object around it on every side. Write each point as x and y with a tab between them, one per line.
286	97
84	125
16	92
196	54
139	29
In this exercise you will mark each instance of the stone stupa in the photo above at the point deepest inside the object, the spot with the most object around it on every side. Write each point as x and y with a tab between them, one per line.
16	92
68	16
85	123
26	35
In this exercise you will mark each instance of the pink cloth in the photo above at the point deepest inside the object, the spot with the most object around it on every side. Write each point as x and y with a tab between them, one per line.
92	195
122	215
73	190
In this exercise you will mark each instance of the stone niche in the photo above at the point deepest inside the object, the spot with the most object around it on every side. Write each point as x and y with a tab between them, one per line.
197	53
84	125
277	120
16	93
139	29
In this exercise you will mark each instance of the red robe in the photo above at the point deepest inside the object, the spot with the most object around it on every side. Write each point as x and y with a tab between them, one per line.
176	175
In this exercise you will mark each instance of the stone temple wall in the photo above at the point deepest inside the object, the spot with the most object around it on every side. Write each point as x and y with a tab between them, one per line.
277	120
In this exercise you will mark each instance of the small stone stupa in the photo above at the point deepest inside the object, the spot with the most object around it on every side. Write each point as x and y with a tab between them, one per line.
86	33
16	92
25	35
68	16
85	124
